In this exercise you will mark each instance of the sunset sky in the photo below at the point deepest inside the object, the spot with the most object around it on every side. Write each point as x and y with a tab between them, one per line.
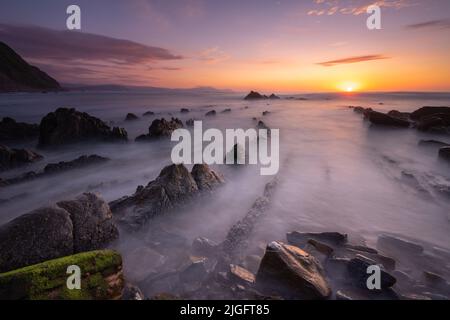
267	45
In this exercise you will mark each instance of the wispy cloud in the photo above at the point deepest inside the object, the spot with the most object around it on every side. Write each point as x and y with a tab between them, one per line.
433	24
90	55
353	7
357	59
214	55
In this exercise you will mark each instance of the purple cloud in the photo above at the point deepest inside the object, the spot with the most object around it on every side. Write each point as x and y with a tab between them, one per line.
353	60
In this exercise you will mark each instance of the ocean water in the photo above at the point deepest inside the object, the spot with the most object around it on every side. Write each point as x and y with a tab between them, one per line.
337	172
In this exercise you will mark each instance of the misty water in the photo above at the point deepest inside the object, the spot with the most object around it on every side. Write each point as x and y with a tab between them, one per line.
337	172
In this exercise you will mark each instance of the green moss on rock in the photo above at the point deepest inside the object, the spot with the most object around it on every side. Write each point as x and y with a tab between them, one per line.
101	278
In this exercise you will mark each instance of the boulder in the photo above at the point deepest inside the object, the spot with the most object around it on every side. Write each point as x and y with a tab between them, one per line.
131	117
48	233
266	113
66	126
174	186
211	113
429	111
241	275
184	110
205	178
101	279
292	272
92	222
10	130
161	128
13	158
148	114
357	269
382	119
399	115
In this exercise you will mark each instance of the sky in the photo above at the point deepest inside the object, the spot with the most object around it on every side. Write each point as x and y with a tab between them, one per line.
265	45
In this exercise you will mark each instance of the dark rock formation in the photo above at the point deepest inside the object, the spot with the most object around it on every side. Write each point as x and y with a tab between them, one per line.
12	158
190	122
161	128
274	97
131	117
55	168
382	119
438	123
184	110
228	110
433	143
54	232
444	153
265	113
399	115
299	239
10	130
292	272
253	95
429	111
101	279
357	269
148	114
17	75
211	113
174	186
66	126
204	247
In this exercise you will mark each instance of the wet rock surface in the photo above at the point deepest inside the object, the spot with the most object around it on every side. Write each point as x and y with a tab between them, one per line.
13	158
67	126
161	128
52	232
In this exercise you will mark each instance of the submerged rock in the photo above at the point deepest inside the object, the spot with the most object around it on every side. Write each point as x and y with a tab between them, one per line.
253	95
428	111
161	128
211	113
13	158
184	110
101	279
292	272
66	126
131	117
48	233
10	130
148	114
273	96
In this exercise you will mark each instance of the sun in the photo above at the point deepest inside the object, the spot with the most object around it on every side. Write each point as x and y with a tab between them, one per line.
348	86
349	89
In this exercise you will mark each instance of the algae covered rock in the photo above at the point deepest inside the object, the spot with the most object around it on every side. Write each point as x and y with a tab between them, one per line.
100	273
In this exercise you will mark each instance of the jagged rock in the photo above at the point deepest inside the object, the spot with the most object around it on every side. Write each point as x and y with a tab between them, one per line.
211	113
394	244
55	168
148	114
131	117
92	222
429	111
241	275
444	153
12	158
253	95
101	279
161	128
205	178
399	115
190	122
300	239
228	110
379	118
204	247
357	268
174	186
48	233
184	110
66	126
10	130
274	97
292	272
